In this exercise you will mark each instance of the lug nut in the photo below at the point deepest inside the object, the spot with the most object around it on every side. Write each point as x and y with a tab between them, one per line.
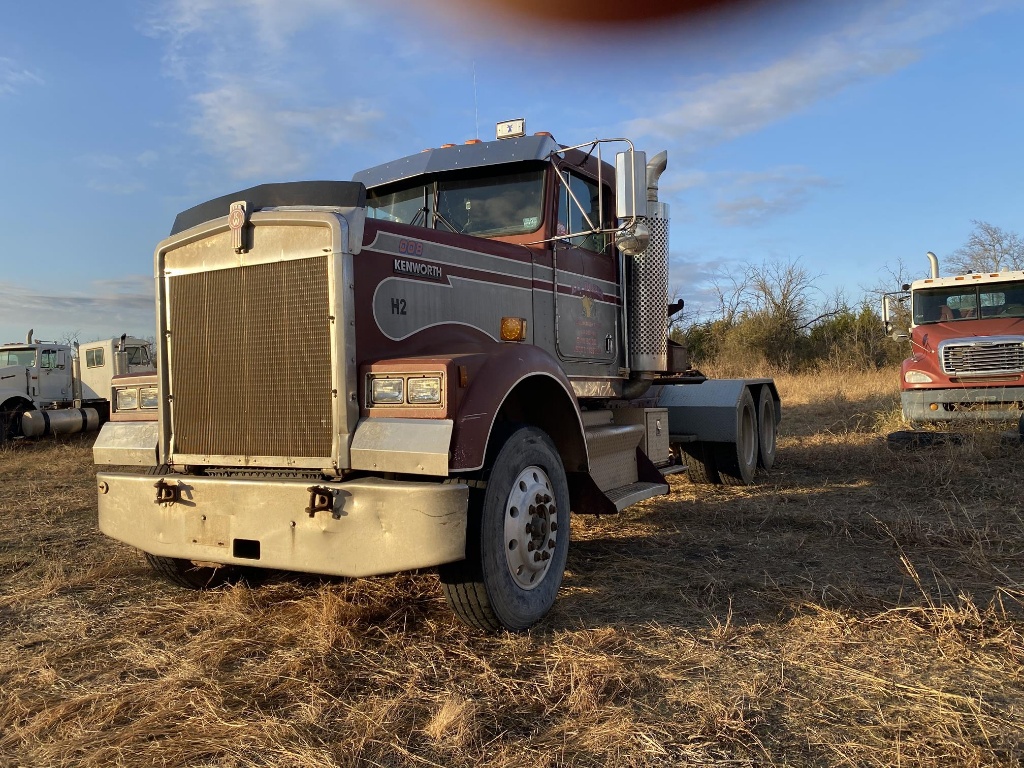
554	526
536	557
551	543
528	528
530	547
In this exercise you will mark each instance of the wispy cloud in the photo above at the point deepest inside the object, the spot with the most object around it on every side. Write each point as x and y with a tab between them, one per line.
258	132
262	119
103	308
749	199
13	77
884	39
115	174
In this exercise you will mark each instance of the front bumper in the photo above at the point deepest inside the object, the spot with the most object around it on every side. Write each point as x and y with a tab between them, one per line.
977	404
376	526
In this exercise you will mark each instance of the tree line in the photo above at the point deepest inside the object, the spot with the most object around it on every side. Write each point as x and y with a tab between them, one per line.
771	315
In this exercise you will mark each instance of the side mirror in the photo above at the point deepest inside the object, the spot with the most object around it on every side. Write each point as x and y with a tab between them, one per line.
62	359
630	184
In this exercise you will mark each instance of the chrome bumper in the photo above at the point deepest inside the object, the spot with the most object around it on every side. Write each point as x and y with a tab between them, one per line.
372	527
967	404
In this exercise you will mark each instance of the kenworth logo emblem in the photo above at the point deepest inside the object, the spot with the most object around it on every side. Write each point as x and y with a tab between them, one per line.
418	269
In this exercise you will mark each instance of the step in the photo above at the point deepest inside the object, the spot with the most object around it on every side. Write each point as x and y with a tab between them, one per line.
596	418
626	495
612	451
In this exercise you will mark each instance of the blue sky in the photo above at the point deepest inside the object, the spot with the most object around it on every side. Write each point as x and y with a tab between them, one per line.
847	136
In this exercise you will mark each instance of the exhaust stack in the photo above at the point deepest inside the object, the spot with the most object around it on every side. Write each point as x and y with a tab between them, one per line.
648	283
934	262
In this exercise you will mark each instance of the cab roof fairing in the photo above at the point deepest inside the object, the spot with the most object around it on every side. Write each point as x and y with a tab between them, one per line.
459	157
983	278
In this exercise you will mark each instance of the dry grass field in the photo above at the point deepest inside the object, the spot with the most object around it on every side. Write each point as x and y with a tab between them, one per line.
857	607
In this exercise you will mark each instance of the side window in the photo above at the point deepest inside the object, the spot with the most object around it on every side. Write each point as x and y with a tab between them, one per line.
94	358
48	358
138	356
579	211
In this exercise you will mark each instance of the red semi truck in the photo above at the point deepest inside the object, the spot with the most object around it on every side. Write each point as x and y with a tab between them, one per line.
425	367
967	338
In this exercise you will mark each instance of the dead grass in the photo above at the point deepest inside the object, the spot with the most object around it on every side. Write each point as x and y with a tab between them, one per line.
858	607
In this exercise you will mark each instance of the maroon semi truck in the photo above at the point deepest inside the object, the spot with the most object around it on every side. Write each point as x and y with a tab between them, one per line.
428	366
967	338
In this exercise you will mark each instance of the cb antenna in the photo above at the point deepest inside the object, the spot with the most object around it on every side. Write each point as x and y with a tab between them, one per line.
476	106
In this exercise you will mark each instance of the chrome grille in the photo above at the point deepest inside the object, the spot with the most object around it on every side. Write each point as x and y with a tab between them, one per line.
250	360
983	357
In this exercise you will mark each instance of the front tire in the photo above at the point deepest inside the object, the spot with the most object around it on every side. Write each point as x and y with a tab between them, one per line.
518	539
185	573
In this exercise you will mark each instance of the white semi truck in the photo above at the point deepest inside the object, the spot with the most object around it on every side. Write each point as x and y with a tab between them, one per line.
51	388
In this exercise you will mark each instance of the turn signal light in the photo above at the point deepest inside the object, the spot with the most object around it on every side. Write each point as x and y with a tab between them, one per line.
513	329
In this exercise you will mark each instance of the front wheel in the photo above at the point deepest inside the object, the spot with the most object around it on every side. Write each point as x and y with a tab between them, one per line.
517	541
190	575
185	573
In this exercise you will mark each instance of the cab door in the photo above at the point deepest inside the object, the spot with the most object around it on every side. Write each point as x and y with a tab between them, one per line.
586	290
54	379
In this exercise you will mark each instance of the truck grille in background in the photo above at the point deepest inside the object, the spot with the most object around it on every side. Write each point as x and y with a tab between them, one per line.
250	360
983	358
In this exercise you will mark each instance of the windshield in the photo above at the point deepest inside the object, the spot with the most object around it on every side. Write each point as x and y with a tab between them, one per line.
490	206
968	302
17	357
138	355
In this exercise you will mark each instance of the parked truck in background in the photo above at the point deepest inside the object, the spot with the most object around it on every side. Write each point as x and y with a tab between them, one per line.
52	388
427	366
967	347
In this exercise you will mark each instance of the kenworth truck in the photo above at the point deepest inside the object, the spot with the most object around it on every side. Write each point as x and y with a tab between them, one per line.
427	366
967	339
51	388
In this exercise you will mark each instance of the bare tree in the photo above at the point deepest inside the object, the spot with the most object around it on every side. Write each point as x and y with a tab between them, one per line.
988	249
731	290
71	338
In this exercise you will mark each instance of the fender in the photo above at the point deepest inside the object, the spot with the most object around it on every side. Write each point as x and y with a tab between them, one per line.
12	398
508	377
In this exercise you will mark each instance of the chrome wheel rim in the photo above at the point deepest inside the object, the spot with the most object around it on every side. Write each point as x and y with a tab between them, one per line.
531	527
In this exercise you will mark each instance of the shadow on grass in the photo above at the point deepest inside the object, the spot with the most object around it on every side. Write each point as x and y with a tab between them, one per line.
850	527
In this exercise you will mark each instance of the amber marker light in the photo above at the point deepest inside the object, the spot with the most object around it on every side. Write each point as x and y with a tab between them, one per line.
513	328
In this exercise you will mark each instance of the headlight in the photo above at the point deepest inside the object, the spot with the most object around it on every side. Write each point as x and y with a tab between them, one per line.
425	390
148	396
389	391
127	399
917	377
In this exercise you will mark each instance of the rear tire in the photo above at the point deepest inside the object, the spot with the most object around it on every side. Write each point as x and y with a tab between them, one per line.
517	541
185	573
766	429
738	461
701	468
